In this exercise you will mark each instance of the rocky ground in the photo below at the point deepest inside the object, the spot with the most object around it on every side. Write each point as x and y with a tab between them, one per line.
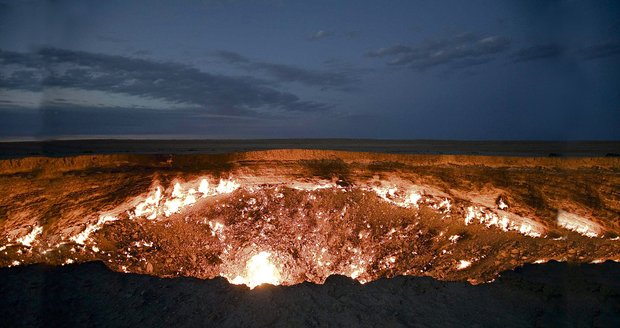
309	214
426	239
548	295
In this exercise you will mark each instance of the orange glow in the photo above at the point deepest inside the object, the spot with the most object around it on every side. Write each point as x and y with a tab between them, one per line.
252	230
258	270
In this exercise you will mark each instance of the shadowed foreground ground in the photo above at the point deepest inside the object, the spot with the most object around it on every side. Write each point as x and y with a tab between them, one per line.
549	295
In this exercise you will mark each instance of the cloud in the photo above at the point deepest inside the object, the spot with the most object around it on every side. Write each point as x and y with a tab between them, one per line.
73	97
398	49
539	51
469	62
600	50
231	57
319	35
456	51
171	83
332	78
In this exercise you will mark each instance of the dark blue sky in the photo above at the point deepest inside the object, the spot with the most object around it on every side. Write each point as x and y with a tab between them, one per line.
294	69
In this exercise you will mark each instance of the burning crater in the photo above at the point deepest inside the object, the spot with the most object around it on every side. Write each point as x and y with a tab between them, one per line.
285	217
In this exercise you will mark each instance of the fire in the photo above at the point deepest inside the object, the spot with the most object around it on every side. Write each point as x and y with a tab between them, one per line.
463	264
259	270
325	230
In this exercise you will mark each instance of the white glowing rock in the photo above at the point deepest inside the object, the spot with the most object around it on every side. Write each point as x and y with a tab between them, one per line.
82	237
227	186
308	186
216	228
28	239
356	273
149	206
204	187
470	215
528	230
383	192
157	197
463	264
413	199
153	216
506	222
390	195
578	224
189	200
172	206
177	191
446	204
177	201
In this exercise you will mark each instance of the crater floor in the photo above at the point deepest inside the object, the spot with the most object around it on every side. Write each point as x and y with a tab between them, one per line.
293	216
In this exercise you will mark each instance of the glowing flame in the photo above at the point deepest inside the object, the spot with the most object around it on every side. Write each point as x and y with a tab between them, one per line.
157	202
578	224
204	187
83	236
227	186
259	270
463	264
28	239
149	206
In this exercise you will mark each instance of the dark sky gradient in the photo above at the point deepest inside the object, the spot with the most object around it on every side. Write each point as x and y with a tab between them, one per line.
547	70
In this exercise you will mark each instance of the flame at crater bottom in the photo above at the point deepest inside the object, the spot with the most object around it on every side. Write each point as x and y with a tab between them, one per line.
258	270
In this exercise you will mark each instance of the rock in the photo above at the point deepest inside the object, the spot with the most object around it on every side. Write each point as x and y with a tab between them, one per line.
149	267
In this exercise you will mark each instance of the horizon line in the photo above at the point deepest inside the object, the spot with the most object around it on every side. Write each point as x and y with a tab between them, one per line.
201	138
